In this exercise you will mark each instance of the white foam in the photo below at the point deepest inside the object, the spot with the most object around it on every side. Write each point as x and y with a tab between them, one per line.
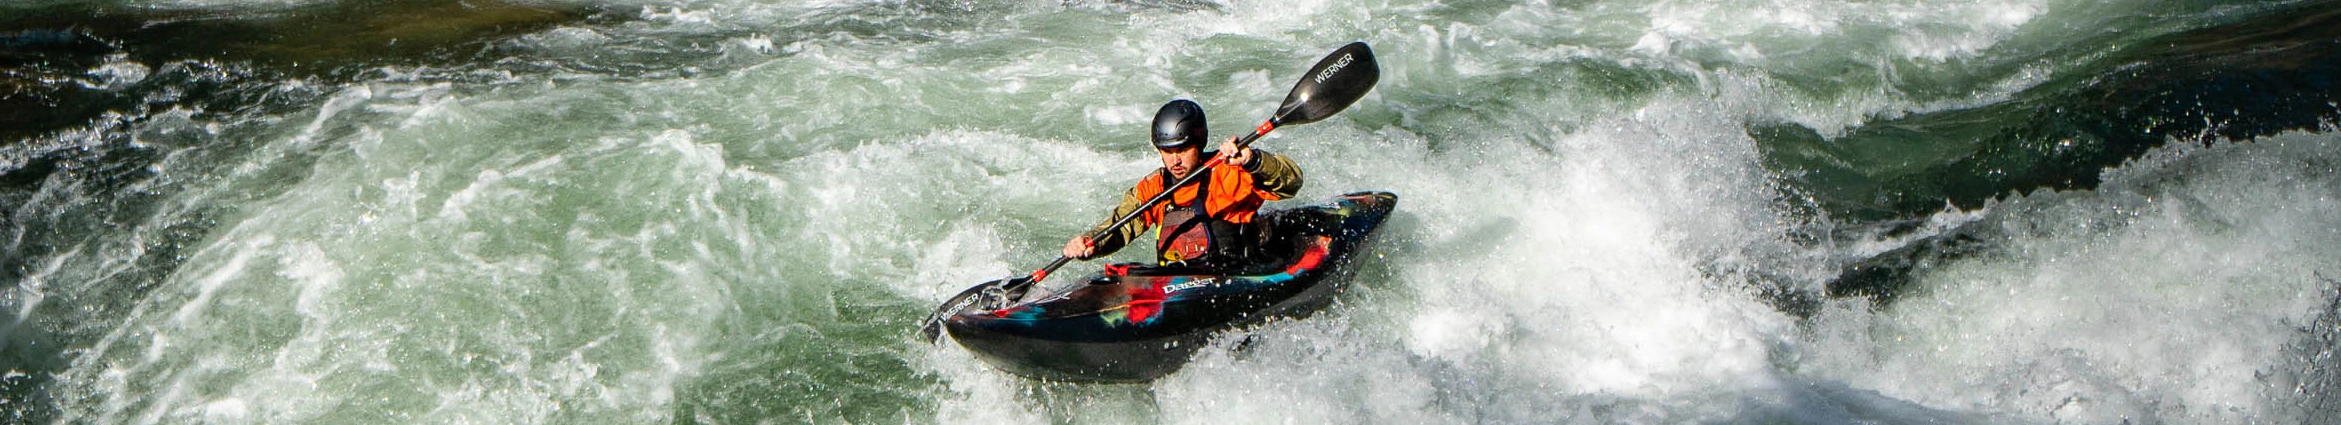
209	285
2171	293
228	410
117	72
1454	335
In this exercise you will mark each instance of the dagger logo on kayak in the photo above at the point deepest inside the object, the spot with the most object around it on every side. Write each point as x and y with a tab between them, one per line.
1335	69
1197	283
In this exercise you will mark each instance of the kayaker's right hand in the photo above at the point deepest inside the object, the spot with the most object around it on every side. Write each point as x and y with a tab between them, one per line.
1079	247
1235	154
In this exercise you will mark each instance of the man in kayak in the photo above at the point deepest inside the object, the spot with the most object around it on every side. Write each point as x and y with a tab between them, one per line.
1207	224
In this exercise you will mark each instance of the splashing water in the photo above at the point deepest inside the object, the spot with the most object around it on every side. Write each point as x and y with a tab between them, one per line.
735	212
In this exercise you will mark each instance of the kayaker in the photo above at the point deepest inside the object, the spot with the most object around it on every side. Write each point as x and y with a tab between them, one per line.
1215	231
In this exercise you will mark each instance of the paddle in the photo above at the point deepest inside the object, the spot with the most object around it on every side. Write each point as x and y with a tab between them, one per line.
1332	85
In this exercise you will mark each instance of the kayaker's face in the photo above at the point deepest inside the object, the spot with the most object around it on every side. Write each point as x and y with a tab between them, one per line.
1180	161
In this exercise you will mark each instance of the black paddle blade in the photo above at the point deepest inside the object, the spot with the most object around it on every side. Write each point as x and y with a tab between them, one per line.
982	294
1337	81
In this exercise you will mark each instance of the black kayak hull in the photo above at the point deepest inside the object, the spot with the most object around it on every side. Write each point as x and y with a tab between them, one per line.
1135	323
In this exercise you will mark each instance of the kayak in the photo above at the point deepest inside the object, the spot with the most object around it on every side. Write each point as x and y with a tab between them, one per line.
1134	322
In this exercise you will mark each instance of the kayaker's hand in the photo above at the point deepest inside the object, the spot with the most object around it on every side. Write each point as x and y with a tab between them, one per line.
1079	247
1236	155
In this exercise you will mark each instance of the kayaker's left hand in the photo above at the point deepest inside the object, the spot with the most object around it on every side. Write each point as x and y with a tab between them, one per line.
1236	155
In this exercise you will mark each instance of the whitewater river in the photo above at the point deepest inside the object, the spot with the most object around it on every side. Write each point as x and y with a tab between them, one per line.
737	211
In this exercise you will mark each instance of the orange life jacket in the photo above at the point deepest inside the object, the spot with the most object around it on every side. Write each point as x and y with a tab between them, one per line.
1210	230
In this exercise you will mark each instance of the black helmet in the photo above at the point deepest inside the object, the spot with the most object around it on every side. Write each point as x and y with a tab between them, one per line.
1179	124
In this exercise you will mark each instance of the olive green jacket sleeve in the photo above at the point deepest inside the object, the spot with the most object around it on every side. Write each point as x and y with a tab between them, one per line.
1271	172
1274	174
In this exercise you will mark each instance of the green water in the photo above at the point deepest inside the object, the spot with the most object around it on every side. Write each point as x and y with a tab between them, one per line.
1615	212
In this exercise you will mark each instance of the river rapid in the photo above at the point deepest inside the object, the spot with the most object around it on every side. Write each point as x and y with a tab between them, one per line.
737	211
